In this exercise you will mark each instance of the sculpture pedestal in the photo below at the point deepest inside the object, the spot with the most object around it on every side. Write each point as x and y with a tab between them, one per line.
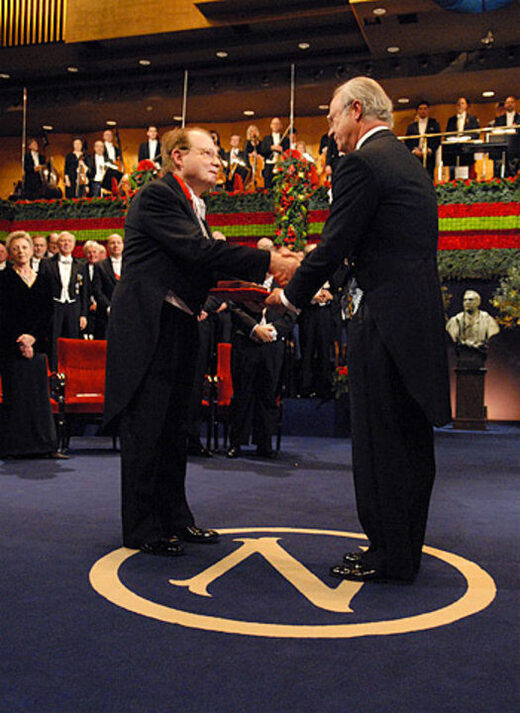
470	412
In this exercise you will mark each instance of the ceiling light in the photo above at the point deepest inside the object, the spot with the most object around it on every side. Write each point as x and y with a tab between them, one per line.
323	107
149	108
177	117
110	122
222	54
379	11
5	76
248	112
488	93
72	70
403	100
47	127
393	49
303	45
145	62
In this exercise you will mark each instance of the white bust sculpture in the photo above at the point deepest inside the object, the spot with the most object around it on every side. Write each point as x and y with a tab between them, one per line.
472	327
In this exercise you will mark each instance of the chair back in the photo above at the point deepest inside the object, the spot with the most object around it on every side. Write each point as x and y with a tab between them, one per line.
83	363
225	384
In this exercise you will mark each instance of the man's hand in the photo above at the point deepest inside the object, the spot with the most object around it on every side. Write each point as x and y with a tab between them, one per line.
25	343
82	323
283	265
202	316
322	296
264	333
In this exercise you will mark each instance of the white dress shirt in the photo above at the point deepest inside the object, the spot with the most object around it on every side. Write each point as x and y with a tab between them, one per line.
65	269
116	265
100	167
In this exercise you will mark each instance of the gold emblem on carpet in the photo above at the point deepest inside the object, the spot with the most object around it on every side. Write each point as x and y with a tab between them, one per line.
104	578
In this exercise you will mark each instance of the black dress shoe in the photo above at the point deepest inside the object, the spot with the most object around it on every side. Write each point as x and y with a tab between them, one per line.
195	448
355	572
266	453
352	557
192	533
234	452
164	547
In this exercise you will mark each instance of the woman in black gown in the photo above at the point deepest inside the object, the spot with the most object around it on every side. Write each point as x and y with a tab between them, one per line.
25	312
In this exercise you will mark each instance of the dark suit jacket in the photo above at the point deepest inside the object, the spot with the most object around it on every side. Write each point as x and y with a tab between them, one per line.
165	249
105	284
243	320
265	146
501	120
432	127
77	286
470	123
384	220
33	181
144	152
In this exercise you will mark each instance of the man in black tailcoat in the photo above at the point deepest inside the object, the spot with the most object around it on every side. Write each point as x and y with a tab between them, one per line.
424	124
68	294
169	263
109	274
384	220
151	148
271	148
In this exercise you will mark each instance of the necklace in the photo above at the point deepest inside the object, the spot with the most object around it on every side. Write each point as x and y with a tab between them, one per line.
27	277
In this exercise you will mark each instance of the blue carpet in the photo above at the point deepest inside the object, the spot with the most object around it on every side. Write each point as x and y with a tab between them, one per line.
67	649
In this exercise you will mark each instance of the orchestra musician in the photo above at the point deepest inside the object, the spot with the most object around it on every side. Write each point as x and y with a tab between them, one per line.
237	165
34	162
112	152
424	124
256	161
151	149
77	169
271	148
98	169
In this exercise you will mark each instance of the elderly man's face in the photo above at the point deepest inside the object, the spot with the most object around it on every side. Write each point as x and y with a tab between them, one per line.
91	254
199	166
53	243
343	125
66	244
115	246
40	246
470	301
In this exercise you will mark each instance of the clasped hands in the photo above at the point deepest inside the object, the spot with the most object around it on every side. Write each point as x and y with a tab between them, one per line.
283	265
25	344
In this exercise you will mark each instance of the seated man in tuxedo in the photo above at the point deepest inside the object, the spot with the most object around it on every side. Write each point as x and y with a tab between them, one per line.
68	294
151	149
109	273
258	340
424	124
271	148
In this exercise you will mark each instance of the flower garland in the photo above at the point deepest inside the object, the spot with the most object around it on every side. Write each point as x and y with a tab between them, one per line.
340	381
292	179
506	299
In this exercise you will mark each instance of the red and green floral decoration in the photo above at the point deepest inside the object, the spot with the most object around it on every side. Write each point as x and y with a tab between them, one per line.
479	222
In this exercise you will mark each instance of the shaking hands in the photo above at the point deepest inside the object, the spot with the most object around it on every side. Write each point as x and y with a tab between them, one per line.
283	265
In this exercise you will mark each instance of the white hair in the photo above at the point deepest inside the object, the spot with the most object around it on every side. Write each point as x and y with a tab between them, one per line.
374	100
16	236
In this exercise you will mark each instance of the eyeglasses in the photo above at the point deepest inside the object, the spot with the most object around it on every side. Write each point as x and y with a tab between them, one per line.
208	153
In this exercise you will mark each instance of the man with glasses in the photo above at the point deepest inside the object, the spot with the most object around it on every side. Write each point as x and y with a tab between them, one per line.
169	264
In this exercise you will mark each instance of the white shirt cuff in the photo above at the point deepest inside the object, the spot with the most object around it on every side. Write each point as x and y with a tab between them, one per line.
288	305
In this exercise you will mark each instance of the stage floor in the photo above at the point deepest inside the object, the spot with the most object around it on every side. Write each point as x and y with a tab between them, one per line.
254	624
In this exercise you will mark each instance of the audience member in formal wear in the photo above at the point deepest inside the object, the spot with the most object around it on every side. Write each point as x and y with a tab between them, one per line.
151	148
91	287
77	171
384	219
462	120
97	169
34	163
271	148
3	257
52	244
68	294
315	331
25	313
109	273
40	247
170	261
112	152
424	124
237	165
258	346
499	111
510	118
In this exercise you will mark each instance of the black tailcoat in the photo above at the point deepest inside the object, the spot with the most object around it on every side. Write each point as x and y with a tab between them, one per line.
165	249
432	127
144	152
384	220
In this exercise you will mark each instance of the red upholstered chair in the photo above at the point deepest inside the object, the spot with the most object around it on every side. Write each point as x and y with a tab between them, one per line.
81	369
220	393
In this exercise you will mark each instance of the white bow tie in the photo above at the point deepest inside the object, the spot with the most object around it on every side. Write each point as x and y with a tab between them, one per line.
66	260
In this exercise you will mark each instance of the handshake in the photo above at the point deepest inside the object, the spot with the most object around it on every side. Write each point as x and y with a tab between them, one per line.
283	265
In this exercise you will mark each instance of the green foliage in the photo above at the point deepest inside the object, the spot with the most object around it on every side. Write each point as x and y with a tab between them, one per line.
507	298
497	190
291	190
476	264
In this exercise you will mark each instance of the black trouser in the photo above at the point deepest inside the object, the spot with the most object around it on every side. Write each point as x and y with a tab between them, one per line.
65	323
153	436
392	453
206	336
315	340
255	370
